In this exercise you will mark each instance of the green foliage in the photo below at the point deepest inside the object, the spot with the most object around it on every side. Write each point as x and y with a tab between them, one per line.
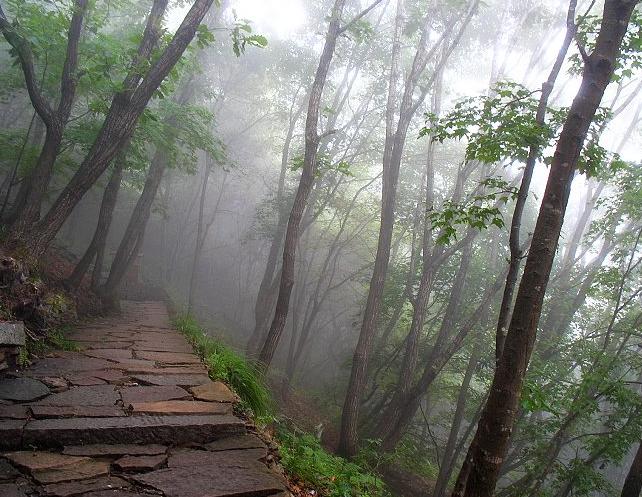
324	165
226	365
496	127
242	36
480	212
303	456
630	58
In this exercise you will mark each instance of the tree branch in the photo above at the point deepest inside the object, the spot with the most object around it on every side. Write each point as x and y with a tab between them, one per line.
68	80
359	16
25	56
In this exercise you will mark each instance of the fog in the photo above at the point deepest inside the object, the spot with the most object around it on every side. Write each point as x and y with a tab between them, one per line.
214	239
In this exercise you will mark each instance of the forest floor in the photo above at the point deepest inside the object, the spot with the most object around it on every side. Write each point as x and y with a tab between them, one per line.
131	412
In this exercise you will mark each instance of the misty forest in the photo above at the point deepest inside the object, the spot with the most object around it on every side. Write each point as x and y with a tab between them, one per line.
411	230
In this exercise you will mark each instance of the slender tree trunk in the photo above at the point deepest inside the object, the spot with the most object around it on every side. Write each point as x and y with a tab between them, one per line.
393	152
312	140
198	246
516	248
97	244
490	444
134	233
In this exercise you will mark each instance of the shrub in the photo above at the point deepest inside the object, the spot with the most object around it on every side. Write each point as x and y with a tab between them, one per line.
303	456
226	365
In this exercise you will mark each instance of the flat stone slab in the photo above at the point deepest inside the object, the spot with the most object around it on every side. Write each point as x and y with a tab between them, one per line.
186	380
180	407
100	450
45	412
169	357
22	389
73	488
7	471
136	464
110	354
68	365
17	411
215	391
96	395
190	475
174	430
48	467
81	380
11	433
12	490
236	443
153	394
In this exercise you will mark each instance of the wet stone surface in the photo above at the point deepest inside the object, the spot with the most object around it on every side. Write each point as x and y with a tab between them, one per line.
132	414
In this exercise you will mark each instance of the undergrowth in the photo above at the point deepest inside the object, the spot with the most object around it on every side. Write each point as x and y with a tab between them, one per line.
303	456
226	365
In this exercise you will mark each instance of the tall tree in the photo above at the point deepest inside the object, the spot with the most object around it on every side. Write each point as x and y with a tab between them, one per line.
490	444
393	152
312	141
55	118
121	119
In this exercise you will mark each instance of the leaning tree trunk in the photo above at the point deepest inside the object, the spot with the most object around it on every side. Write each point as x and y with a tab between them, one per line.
121	119
312	140
516	248
97	244
490	445
135	231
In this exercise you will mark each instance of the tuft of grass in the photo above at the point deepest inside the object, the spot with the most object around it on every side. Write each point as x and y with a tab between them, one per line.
333	476
59	341
226	365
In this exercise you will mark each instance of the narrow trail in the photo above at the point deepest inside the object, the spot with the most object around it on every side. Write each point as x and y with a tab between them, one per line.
134	413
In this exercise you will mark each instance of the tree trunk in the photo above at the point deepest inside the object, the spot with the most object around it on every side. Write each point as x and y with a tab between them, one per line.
633	482
490	444
120	121
392	155
312	140
97	244
516	248
135	231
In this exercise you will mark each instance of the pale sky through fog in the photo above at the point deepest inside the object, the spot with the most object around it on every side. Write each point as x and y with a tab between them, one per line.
280	18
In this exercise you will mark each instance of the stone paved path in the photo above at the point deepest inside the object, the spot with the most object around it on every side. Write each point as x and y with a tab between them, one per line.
134	413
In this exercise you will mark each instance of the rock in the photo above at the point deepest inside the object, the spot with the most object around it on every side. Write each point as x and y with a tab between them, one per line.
80	471
55	383
236	442
43	412
48	467
100	450
11	433
52	366
12	333
22	389
14	412
132	464
158	346
72	488
152	394
115	493
169	357
12	490
213	392
190	475
81	380
171	379
132	429
180	407
7	471
110	354
98	395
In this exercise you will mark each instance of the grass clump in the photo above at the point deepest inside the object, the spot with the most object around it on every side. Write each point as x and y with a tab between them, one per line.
333	476
226	365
